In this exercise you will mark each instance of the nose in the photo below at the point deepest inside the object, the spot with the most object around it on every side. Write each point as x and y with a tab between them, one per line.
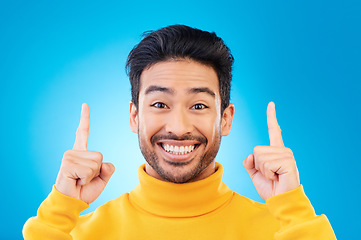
178	122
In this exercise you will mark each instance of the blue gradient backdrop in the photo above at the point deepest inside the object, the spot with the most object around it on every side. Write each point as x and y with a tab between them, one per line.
303	55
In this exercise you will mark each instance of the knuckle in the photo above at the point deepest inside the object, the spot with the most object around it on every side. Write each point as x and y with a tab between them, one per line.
274	127
269	174
89	172
67	157
83	129
289	150
260	157
95	156
94	165
67	154
256	149
99	155
266	165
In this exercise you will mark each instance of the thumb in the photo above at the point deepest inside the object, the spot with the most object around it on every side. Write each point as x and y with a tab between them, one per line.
249	165
106	171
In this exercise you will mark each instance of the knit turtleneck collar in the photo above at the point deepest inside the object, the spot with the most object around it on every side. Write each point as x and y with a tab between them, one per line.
180	200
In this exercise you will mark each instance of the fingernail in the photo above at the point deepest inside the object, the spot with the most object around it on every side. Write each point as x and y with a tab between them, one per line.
273	105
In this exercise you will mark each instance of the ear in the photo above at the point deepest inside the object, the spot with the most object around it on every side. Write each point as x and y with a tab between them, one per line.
227	119
133	117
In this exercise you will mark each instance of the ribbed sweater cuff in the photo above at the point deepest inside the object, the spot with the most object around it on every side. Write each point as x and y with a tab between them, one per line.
61	211
291	208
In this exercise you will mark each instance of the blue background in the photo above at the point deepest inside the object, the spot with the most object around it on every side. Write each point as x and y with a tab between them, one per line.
303	55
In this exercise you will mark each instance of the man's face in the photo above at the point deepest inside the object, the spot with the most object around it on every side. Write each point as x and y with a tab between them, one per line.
178	120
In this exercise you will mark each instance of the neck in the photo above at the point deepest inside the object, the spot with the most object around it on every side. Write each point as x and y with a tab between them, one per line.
180	200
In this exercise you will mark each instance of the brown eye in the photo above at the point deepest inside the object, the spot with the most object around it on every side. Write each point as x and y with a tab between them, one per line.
199	106
159	105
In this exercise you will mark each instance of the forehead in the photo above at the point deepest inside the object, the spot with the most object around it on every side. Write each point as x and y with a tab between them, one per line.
178	74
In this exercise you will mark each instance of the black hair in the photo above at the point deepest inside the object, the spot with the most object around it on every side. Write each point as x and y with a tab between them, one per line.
181	42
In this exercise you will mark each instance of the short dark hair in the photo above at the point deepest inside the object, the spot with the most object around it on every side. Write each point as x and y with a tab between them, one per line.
181	42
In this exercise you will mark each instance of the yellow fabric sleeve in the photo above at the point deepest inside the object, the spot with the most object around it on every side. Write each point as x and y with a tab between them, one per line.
56	217
297	217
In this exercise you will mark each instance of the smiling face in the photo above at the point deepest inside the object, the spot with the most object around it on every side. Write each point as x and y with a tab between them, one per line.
179	121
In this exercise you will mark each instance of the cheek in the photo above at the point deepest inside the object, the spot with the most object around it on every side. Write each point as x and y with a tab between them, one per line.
149	124
210	127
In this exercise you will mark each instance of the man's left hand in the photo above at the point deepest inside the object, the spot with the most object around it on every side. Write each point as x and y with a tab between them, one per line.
272	168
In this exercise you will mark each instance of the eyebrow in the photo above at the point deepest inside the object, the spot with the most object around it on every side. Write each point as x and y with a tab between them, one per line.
202	90
155	88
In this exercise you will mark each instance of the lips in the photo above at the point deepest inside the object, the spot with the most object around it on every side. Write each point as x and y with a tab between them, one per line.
178	150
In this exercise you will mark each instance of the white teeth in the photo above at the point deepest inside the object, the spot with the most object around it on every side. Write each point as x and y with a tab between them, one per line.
176	150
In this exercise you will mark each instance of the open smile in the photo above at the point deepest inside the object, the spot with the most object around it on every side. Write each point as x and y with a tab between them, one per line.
178	150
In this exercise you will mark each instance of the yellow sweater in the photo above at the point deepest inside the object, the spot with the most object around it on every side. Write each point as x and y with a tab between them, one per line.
206	209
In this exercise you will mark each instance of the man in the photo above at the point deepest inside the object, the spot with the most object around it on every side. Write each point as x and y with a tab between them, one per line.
180	109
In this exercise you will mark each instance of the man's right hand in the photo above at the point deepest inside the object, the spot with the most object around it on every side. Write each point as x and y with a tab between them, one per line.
83	175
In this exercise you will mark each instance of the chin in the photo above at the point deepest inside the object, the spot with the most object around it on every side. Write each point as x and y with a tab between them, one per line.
179	172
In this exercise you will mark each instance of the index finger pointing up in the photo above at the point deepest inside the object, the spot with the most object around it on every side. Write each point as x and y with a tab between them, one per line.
274	130
82	132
